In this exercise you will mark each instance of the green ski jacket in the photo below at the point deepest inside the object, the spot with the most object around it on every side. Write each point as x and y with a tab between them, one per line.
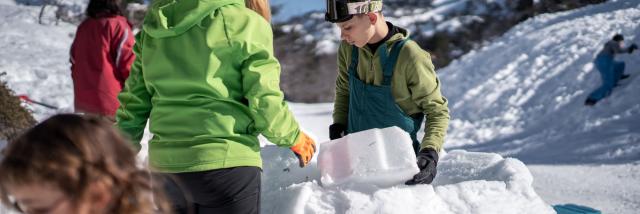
206	78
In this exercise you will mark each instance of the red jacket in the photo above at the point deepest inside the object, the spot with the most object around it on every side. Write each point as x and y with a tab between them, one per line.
101	56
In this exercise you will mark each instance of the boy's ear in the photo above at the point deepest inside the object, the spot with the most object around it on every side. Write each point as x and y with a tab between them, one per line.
373	18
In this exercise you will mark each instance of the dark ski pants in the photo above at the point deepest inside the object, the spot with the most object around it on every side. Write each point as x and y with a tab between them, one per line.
231	190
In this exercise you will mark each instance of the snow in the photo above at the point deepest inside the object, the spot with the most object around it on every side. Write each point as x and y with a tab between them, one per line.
522	96
467	183
524	93
36	57
516	101
325	47
612	188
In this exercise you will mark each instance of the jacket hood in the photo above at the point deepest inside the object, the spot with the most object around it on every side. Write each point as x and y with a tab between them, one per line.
168	18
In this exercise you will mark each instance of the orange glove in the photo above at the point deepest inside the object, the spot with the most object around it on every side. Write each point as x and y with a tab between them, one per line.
304	149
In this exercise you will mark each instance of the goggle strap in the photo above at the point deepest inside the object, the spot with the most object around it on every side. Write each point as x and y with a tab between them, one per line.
364	7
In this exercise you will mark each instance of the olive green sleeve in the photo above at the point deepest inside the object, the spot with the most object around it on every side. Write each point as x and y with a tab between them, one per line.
425	92
341	102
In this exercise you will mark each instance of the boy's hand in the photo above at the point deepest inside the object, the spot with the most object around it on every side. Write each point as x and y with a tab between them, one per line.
337	130
427	162
304	149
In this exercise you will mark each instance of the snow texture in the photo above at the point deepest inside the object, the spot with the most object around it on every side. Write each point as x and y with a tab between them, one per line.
36	58
467	183
523	94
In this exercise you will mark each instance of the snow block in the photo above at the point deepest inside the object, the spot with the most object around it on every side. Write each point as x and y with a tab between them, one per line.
574	209
380	157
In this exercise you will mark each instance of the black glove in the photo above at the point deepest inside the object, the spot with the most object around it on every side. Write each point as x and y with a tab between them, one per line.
337	130
633	47
427	162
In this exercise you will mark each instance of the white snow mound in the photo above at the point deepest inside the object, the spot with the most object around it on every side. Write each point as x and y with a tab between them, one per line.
467	182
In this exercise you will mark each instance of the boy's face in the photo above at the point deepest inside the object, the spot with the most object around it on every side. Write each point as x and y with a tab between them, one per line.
358	30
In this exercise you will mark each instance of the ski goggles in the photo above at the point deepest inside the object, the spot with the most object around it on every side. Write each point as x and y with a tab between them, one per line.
343	10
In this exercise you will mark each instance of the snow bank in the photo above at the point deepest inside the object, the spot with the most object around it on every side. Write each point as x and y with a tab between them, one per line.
368	170
467	182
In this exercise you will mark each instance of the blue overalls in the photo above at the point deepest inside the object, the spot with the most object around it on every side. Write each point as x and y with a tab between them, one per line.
610	71
372	106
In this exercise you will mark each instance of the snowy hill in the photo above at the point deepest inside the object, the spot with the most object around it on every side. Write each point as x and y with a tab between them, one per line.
520	96
523	94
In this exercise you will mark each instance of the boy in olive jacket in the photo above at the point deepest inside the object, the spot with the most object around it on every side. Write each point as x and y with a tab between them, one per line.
384	80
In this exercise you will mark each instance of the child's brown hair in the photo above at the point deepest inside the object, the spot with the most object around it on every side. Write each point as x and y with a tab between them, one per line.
72	152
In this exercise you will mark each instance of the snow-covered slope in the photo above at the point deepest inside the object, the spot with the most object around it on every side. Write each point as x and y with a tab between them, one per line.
523	95
36	57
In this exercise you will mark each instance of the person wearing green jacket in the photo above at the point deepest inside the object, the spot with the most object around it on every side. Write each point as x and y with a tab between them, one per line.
206	79
385	79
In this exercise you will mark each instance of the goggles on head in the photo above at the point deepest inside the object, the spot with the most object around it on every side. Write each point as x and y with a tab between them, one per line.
343	10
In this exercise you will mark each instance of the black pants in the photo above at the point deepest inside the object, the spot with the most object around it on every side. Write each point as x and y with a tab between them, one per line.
231	190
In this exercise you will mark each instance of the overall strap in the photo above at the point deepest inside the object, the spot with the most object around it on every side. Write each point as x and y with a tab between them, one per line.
353	67
390	62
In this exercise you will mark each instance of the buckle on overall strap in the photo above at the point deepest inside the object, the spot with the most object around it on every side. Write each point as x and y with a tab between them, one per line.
389	62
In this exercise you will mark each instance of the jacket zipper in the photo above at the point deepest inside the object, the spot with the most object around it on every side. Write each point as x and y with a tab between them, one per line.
371	71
